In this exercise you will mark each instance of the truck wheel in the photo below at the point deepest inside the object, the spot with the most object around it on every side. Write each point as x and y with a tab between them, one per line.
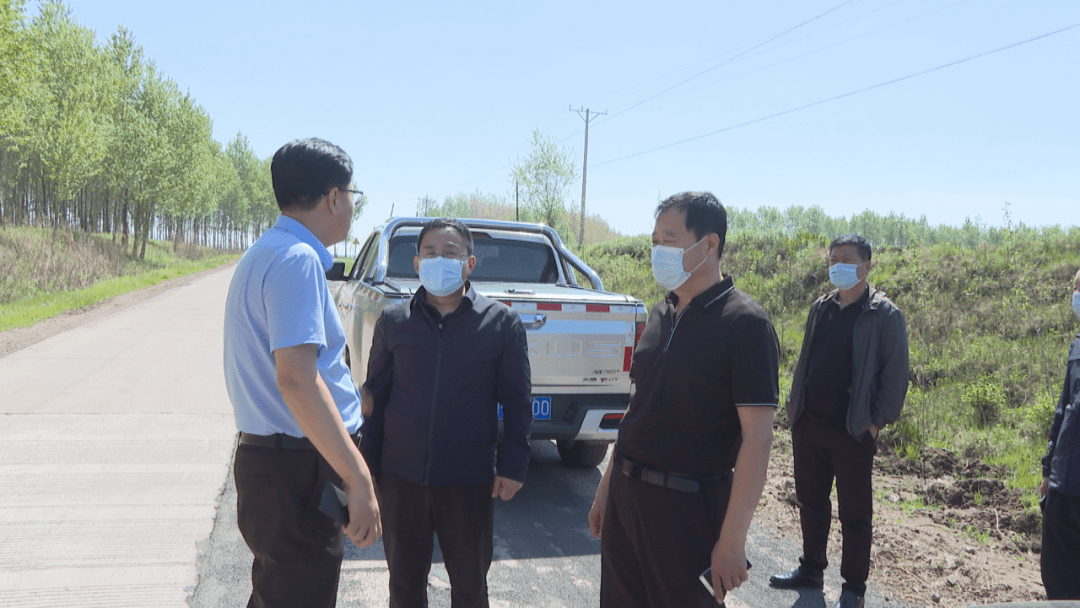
582	454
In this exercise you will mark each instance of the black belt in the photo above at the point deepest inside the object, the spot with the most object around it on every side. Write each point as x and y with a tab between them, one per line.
663	479
282	441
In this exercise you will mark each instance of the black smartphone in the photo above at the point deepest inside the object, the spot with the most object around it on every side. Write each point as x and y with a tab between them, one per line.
706	578
334	502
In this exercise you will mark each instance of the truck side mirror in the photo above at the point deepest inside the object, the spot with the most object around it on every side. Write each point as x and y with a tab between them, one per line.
336	272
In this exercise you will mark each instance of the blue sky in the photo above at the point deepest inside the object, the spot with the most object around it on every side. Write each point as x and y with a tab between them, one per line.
436	98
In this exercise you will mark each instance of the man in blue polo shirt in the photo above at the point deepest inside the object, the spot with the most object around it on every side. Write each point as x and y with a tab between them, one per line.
295	403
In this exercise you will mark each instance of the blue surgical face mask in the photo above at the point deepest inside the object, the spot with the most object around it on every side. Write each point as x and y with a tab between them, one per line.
1076	303
844	276
667	265
441	276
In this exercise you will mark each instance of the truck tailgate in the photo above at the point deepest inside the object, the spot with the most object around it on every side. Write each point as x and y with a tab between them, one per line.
578	347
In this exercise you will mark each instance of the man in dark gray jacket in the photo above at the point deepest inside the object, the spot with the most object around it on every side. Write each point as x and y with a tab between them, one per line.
850	381
1060	487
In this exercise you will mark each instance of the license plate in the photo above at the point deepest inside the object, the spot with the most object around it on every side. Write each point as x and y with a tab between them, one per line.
541	408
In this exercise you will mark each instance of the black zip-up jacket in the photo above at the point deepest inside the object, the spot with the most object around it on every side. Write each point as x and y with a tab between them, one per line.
436	384
1062	461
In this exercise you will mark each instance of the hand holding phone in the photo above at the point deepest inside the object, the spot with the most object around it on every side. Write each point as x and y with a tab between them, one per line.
706	578
335	503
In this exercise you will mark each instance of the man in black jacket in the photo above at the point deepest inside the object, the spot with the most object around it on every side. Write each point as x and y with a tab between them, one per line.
1060	487
440	365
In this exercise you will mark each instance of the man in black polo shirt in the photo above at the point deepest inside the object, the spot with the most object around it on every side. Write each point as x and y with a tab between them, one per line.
669	505
850	381
440	365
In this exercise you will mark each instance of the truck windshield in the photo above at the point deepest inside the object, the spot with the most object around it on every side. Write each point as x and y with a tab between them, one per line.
496	260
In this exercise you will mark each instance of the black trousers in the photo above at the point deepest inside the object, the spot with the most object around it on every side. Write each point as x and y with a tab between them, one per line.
1061	546
655	542
823	451
297	548
463	519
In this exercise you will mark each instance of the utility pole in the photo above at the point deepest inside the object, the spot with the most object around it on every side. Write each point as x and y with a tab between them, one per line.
517	212
584	171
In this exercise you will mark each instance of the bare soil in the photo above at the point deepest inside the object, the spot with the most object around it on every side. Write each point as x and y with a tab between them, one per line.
973	542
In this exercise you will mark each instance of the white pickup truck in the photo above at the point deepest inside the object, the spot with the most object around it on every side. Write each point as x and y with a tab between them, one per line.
581	338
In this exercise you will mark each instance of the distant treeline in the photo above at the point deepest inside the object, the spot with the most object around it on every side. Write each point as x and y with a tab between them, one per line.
890	230
493	207
97	138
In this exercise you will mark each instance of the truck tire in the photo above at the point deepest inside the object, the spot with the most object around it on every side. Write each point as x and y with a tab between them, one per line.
583	454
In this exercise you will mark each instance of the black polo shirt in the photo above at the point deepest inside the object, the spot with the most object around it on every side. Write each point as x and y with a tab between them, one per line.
831	365
692	374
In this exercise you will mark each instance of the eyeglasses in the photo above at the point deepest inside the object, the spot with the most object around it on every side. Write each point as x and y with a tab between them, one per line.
452	254
356	193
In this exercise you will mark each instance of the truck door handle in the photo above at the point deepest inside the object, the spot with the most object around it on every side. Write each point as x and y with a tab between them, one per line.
532	320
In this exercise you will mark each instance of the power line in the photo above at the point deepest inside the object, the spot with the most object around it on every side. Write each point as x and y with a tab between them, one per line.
843	95
723	63
824	48
735	50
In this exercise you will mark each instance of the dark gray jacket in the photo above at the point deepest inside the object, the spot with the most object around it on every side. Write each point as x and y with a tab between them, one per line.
1062	461
879	380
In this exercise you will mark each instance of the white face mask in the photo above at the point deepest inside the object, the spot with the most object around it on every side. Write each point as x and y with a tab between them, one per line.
441	276
844	276
1076	303
667	265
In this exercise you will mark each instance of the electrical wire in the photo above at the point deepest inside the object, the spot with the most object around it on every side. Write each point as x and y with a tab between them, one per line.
825	48
841	96
752	47
726	62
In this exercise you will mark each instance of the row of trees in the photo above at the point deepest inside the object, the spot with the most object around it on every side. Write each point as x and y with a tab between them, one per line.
890	230
96	137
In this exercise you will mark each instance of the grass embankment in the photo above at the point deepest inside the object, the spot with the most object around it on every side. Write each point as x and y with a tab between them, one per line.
989	329
44	272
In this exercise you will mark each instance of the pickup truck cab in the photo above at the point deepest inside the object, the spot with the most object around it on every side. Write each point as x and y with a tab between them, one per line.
581	337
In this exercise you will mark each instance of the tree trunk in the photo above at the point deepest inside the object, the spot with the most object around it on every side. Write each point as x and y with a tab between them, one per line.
124	219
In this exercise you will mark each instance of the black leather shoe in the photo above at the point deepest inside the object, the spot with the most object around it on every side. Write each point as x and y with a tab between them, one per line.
848	599
797	578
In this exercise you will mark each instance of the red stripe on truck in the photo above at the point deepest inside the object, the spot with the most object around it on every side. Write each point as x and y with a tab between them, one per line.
597	308
548	306
628	356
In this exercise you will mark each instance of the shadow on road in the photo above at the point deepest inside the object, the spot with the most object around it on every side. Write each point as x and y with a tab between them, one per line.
547	517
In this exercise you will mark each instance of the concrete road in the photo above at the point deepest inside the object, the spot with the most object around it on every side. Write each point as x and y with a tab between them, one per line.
115	440
115	490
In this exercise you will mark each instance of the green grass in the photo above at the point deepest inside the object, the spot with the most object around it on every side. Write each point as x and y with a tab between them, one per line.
988	326
45	272
26	312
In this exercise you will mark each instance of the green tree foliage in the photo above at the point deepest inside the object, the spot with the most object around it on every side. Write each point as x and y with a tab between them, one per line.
94	137
543	177
493	207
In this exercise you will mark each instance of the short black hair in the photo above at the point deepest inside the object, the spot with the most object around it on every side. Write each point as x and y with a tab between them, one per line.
304	170
705	214
862	246
447	222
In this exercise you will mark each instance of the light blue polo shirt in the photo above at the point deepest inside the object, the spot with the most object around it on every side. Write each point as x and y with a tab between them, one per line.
279	298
